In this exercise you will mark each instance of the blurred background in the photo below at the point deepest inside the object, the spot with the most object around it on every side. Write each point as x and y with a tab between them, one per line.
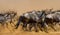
28	5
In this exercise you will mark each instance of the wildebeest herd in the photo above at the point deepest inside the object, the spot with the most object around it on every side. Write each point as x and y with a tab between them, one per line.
7	17
40	20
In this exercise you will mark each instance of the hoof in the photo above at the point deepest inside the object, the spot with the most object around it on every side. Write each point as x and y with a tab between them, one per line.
26	30
30	31
15	28
42	30
46	31
36	31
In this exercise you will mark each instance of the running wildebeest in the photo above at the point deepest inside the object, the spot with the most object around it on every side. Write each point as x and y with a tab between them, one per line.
26	19
53	19
8	16
11	15
31	18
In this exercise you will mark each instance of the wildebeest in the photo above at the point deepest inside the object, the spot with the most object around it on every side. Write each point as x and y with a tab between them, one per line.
26	18
33	19
52	19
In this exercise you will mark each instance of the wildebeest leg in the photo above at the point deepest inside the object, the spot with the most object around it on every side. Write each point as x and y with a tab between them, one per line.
52	26
24	27
11	22
45	29
7	25
35	27
30	26
17	25
43	25
3	25
39	25
19	20
59	24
